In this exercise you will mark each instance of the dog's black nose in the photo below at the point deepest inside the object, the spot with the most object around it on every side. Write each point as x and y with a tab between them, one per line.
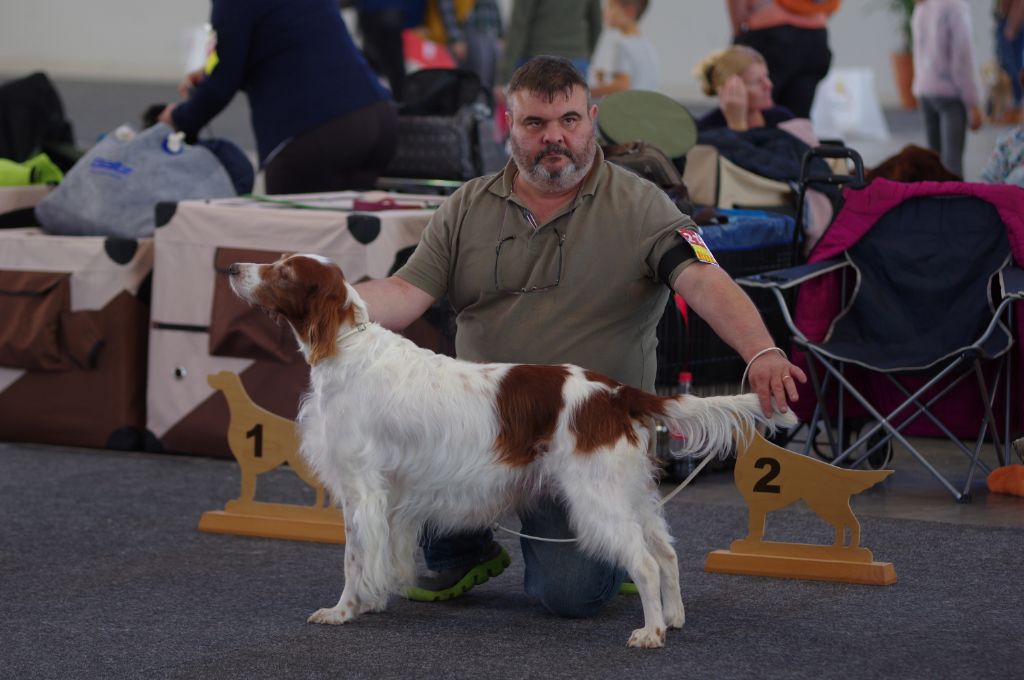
233	269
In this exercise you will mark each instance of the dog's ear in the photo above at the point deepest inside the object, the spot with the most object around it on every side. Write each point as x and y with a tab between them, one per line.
329	310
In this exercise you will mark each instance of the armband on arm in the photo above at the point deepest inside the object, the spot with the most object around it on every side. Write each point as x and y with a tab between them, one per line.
679	254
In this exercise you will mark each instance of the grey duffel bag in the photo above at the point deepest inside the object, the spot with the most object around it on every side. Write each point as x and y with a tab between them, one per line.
114	188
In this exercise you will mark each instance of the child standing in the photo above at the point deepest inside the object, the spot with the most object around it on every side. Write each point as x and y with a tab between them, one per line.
944	76
634	62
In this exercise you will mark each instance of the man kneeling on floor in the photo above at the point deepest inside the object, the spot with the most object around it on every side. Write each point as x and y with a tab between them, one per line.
562	257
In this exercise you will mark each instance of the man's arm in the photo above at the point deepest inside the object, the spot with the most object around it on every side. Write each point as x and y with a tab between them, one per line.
712	293
393	302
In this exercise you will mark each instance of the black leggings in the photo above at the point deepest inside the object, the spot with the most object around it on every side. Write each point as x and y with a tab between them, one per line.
797	59
349	152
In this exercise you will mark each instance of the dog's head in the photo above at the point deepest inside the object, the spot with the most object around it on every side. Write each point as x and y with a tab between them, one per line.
307	291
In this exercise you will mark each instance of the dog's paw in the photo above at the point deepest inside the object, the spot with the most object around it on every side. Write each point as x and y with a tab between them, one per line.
647	637
332	616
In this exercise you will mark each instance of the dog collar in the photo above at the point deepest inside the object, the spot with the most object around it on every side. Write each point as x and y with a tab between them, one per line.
352	331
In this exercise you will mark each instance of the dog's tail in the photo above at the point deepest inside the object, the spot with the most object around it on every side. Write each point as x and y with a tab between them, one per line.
710	424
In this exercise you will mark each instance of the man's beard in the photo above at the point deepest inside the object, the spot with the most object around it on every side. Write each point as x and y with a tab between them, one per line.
555	180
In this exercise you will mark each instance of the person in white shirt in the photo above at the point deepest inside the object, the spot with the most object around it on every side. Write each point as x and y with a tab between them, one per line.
634	61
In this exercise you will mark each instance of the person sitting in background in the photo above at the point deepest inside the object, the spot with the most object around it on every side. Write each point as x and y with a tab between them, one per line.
634	60
738	76
322	120
750	130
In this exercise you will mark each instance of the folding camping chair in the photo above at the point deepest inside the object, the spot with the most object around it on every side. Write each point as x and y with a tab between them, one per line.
924	298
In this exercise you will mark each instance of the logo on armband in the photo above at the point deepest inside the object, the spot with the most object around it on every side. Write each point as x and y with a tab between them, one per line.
700	249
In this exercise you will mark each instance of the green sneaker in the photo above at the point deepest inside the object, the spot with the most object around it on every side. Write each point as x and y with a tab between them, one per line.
447	585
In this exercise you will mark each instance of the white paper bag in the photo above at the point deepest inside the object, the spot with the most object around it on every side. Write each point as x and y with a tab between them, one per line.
846	106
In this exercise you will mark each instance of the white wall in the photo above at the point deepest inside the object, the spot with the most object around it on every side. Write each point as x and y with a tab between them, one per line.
143	40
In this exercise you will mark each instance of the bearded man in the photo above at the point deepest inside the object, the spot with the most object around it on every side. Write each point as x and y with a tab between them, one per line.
563	257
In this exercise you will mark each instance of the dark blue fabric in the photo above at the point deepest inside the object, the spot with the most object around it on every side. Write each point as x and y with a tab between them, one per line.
294	59
712	120
923	284
766	151
412	10
234	161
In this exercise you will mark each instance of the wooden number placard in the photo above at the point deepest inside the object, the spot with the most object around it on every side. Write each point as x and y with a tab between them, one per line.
261	441
769	477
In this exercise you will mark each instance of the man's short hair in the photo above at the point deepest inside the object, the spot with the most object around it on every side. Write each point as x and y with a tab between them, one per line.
548	76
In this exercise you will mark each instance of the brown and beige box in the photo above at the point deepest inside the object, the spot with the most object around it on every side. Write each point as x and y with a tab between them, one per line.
200	328
72	338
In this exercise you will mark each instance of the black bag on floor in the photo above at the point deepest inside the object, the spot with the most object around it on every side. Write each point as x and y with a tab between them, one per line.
446	128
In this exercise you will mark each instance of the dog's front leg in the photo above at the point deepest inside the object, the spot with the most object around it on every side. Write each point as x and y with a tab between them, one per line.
349	605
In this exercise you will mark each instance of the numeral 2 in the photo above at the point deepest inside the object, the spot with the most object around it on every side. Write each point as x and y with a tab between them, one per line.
763	485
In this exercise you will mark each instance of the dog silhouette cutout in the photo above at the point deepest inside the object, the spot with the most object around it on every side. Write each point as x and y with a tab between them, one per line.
770	478
260	441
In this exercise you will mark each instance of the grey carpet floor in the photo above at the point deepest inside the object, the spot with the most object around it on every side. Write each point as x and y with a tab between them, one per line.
104	575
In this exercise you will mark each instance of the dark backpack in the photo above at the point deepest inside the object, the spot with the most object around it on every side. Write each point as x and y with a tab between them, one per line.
442	92
32	120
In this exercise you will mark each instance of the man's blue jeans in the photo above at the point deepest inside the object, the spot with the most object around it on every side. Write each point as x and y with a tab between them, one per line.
566	581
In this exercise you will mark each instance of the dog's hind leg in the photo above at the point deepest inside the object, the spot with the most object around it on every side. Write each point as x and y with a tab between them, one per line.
403	550
660	544
608	525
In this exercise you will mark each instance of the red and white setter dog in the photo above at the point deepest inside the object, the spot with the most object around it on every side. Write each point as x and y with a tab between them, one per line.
402	436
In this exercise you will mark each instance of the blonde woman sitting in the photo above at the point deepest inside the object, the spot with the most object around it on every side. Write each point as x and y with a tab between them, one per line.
738	76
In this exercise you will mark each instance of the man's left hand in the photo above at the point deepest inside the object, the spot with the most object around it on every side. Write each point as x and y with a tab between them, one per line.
772	375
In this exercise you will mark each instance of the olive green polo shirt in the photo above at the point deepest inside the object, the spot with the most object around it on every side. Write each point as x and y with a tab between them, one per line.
599	298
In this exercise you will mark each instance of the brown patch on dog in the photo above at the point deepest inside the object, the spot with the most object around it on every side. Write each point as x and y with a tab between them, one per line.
529	401
594	376
608	415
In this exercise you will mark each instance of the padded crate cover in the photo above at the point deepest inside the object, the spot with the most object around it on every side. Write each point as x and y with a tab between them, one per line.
200	327
73	339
